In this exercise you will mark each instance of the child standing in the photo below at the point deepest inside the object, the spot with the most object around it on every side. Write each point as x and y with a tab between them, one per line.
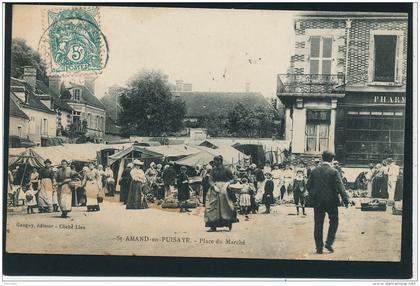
299	188
30	196
268	197
245	198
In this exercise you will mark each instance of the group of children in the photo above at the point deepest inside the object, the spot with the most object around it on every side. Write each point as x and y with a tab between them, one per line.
271	191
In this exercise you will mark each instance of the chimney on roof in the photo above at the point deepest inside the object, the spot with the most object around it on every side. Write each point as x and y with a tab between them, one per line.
90	84
29	75
54	84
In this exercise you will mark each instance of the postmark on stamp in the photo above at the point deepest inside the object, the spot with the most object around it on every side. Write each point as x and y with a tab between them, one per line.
73	43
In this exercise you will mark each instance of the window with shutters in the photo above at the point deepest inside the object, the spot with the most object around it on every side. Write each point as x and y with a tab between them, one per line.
385	65
317	130
320	55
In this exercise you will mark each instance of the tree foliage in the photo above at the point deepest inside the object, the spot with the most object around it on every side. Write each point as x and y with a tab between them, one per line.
256	121
149	108
22	55
241	121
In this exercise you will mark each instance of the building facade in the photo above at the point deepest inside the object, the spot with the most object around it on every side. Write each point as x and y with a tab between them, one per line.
88	111
41	122
345	90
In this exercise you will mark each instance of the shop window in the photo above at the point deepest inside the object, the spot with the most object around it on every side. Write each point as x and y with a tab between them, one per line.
320	55
371	136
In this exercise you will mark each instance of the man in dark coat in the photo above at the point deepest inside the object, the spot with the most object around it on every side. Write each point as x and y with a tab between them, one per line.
325	186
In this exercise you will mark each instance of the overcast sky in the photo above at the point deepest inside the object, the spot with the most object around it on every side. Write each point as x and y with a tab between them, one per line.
196	45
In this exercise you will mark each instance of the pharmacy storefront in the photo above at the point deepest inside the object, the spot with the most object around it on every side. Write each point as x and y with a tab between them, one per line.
370	128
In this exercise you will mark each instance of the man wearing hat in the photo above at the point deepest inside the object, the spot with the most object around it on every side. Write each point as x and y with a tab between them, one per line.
325	186
220	210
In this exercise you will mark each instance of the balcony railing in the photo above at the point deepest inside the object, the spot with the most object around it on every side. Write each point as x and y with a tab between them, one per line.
310	83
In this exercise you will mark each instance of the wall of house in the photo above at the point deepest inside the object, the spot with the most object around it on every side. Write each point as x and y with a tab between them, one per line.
34	126
65	119
307	27
14	123
95	128
360	47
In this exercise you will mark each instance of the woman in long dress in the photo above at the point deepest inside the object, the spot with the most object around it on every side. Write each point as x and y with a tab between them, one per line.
220	210
64	192
125	182
136	199
90	182
45	195
109	186
183	189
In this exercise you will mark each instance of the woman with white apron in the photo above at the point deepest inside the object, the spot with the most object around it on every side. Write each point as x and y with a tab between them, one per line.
91	184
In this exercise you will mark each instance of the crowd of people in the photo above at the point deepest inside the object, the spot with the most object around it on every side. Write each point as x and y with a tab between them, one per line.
223	191
52	189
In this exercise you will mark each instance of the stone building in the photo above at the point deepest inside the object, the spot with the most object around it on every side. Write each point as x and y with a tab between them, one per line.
46	114
345	90
87	108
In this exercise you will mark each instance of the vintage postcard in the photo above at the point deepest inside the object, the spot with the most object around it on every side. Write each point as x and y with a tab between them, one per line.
215	133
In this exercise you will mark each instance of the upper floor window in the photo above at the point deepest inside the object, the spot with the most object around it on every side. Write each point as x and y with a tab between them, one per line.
320	57
386	57
76	94
44	126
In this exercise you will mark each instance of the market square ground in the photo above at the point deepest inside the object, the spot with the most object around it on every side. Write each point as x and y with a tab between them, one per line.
362	236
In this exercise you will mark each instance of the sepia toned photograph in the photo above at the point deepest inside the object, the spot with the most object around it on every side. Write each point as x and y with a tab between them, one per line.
209	133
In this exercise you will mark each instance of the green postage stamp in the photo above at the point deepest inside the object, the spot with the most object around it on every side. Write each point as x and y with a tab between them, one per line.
73	42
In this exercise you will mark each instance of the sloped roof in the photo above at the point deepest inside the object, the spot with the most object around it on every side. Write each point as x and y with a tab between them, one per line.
16	111
126	152
174	150
33	101
42	88
87	96
266	143
231	156
199	102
